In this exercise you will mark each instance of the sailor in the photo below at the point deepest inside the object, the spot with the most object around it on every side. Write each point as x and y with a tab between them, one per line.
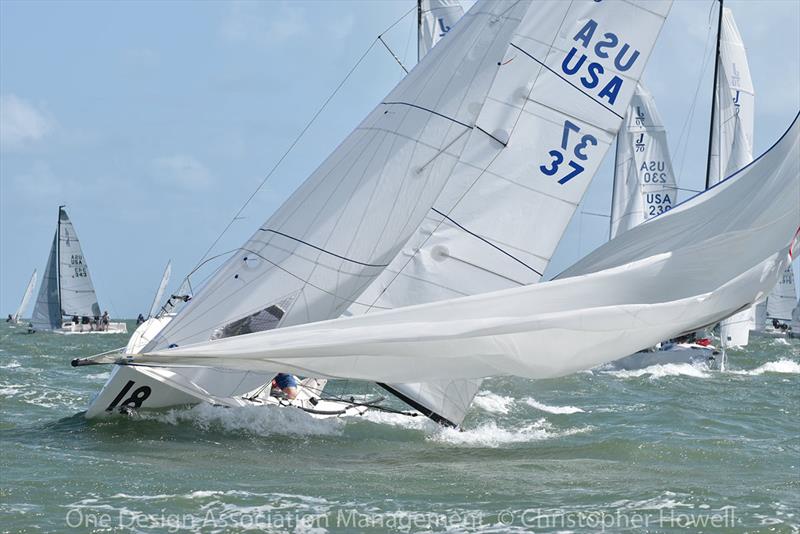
104	324
140	319
285	384
9	318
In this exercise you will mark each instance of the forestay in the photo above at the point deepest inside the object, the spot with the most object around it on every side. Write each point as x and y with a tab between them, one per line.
26	298
603	307
345	223
644	182
155	307
556	104
436	18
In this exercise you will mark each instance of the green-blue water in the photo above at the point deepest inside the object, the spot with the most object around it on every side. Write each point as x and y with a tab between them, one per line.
662	449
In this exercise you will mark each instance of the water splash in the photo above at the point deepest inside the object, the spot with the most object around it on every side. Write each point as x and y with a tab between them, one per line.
530	401
493	403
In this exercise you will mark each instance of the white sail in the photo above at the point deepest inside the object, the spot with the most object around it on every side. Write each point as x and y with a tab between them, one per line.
605	306
644	182
782	299
156	305
47	310
26	298
345	223
500	217
436	19
796	320
75	283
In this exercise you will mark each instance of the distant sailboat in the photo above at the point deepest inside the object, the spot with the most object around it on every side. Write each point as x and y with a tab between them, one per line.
67	302
775	315
26	298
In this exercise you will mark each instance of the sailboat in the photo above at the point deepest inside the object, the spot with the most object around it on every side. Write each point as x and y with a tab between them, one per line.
67	303
407	206
774	316
26	298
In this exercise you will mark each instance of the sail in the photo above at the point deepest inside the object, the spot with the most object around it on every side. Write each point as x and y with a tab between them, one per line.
603	307
782	299
345	223
500	217
644	182
436	18
47	310
796	319
26	298
77	292
156	305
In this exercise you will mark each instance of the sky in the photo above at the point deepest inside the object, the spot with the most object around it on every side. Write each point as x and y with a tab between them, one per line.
153	122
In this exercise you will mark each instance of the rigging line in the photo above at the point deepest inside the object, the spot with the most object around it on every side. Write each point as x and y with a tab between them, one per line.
380	38
473	234
595	214
320	249
429	111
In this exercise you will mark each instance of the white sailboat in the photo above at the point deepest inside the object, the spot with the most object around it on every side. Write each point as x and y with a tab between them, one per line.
67	303
457	132
774	316
26	298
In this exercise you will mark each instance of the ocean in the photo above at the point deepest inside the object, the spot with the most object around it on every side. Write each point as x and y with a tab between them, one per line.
668	448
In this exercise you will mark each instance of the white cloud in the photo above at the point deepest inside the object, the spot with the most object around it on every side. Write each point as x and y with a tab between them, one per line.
182	171
41	181
21	123
263	23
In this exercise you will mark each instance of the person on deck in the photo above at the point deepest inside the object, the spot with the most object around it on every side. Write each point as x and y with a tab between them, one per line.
286	384
140	319
9	318
104	321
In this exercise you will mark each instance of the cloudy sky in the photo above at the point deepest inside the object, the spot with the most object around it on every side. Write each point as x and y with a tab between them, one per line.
154	121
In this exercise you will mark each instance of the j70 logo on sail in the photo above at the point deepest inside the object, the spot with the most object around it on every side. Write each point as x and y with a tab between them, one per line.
594	71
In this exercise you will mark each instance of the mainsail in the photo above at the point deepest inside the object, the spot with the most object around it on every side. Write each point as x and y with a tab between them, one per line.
500	217
155	307
782	299
732	138
604	306
26	298
434	19
644	182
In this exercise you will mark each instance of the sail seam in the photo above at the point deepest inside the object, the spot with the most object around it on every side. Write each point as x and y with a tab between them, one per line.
429	111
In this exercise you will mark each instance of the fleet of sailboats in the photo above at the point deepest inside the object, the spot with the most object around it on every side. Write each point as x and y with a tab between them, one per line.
413	256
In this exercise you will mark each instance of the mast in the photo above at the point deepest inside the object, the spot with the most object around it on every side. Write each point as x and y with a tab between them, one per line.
58	264
419	25
714	95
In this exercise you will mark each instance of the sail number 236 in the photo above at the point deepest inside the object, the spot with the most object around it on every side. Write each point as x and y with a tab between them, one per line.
578	153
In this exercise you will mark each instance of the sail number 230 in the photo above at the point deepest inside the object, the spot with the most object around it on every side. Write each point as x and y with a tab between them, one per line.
578	152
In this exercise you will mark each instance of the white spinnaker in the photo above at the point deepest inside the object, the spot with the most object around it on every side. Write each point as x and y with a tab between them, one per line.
26	298
47	310
644	182
604	307
500	217
732	139
436	19
77	292
155	307
782	299
346	222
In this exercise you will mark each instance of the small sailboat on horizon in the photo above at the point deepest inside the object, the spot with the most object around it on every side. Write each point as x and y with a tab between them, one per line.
23	305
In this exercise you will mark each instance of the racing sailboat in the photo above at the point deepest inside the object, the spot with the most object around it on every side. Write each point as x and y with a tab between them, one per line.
26	298
405	197
67	303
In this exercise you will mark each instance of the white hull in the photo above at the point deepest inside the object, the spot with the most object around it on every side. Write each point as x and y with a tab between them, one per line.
71	328
137	388
674	354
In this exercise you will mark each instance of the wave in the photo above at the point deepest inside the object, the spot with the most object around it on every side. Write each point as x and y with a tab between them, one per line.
664	370
493	403
259	420
530	401
492	436
783	365
420	422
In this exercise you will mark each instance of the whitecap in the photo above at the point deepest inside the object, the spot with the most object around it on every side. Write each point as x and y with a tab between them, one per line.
530	401
493	403
784	366
419	422
493	436
664	370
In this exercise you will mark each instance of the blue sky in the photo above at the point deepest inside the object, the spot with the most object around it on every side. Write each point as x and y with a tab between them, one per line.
154	121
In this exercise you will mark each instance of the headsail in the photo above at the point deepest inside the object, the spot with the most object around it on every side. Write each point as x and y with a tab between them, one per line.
604	306
644	182
782	299
435	19
47	310
732	139
346	222
156	305
75	283
26	298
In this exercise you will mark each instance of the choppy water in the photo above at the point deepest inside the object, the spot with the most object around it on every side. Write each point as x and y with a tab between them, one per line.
661	449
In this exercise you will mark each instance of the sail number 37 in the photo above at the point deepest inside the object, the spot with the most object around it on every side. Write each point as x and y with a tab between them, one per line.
578	153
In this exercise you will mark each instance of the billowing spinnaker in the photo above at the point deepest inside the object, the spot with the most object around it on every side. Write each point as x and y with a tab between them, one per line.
644	182
77	292
604	307
782	299
155	307
47	310
436	19
26	298
346	222
551	114
734	106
